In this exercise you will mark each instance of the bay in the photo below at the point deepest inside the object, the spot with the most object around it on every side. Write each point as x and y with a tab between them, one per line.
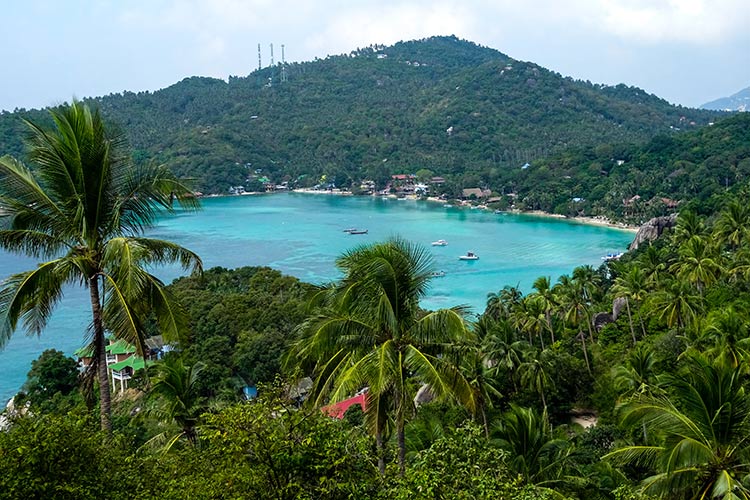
302	234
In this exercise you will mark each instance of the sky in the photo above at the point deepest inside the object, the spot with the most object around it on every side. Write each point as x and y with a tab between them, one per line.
686	51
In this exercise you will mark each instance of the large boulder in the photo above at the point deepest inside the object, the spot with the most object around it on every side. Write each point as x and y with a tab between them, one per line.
652	229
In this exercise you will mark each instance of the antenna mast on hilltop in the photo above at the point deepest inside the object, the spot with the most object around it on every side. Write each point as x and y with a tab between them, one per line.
272	55
283	65
259	61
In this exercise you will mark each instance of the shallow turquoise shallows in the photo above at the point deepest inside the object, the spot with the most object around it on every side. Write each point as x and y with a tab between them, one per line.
302	234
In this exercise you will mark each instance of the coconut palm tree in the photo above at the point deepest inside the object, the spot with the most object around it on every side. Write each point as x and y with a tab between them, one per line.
85	207
676	303
481	373
698	263
543	290
574	309
372	333
177	396
505	350
688	224
700	434
653	262
535	374
535	452
502	303
726	333
733	225
632	286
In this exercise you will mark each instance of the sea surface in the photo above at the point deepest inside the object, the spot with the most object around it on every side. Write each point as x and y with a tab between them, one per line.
302	234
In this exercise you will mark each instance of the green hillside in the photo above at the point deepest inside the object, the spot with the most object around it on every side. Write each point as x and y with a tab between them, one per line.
378	111
630	181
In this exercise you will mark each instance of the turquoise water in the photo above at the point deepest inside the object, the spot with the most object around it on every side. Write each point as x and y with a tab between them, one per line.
301	235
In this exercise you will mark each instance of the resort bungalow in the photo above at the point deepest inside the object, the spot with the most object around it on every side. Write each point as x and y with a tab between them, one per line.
124	370
121	358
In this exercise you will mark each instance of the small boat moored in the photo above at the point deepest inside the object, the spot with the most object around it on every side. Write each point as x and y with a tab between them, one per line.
469	256
612	256
439	243
349	230
438	274
358	231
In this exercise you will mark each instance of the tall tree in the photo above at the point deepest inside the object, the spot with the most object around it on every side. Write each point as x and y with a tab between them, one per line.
632	286
543	289
85	206
372	333
733	225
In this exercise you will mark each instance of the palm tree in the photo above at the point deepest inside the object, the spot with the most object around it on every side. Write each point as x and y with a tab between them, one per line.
632	286
544	292
502	303
480	371
85	206
698	263
177	396
701	429
677	303
535	374
574	309
733	226
373	334
726	332
689	224
653	262
535	452
505	351
637	377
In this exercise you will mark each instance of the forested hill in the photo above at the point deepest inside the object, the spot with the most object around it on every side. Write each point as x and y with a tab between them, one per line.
635	181
442	103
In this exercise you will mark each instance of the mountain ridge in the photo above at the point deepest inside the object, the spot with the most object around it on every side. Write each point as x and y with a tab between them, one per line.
739	101
440	103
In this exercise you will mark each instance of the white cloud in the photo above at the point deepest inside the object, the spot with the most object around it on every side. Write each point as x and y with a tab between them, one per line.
692	21
360	25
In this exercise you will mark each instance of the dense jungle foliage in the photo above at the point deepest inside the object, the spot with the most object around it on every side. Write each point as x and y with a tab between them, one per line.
624	382
465	112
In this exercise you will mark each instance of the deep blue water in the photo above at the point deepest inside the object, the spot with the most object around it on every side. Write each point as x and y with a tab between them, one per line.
301	235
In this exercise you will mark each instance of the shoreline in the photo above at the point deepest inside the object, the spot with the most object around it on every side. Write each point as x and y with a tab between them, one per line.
598	220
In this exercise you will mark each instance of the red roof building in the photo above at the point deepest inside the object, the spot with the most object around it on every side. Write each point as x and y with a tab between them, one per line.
337	410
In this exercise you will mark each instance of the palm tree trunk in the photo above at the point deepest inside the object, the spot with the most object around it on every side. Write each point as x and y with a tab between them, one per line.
585	353
544	400
484	422
549	325
380	451
541	337
630	319
105	401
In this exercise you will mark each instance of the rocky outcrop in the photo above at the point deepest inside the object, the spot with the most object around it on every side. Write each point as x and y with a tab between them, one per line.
652	229
617	306
601	319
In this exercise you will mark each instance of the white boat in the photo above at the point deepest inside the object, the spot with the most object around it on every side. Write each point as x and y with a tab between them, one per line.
439	243
469	256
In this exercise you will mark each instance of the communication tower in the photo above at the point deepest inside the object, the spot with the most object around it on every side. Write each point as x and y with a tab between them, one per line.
259	61
283	64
